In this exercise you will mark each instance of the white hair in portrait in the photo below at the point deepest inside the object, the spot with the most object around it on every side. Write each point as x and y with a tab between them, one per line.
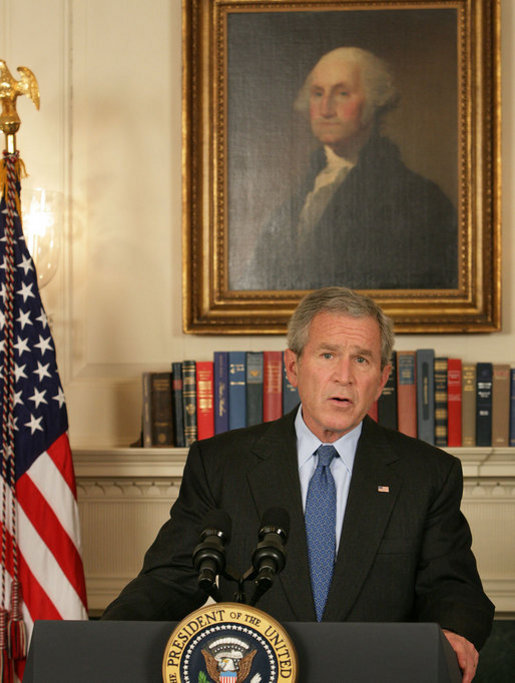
377	79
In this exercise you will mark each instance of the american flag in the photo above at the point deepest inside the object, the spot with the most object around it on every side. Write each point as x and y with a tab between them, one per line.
228	677
40	532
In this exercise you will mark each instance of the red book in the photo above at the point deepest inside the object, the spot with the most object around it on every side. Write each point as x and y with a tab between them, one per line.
406	393
272	385
454	382
205	402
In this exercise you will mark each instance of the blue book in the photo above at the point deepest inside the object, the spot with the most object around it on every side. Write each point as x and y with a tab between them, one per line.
484	376
221	383
425	395
254	389
291	396
237	390
512	407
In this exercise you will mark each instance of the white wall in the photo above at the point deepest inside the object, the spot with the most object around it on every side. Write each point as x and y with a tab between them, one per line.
108	137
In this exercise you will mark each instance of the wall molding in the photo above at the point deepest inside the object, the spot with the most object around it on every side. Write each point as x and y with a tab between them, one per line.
125	495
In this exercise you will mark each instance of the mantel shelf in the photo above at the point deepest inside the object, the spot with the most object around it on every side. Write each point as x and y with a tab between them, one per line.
169	462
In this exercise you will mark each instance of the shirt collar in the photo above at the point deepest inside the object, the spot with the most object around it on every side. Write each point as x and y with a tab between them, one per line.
307	443
334	162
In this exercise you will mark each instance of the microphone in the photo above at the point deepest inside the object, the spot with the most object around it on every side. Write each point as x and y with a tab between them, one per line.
209	555
269	557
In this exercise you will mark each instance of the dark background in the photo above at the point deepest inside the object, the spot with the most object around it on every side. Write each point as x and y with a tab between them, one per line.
269	55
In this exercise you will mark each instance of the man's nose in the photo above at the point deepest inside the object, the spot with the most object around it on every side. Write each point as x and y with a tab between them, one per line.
343	371
327	106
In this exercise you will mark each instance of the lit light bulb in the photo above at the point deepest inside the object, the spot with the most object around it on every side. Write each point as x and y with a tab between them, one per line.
40	211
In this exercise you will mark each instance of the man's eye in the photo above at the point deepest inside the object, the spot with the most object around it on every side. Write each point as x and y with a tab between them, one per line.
327	355
362	360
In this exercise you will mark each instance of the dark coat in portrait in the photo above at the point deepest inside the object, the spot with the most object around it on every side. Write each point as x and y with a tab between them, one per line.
384	227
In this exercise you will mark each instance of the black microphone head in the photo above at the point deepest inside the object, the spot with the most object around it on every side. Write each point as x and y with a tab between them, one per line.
217	522
275	520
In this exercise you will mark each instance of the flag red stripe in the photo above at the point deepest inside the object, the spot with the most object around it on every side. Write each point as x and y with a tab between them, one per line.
52	533
61	454
36	600
19	667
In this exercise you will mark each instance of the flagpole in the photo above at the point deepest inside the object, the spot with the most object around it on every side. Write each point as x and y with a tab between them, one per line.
12	628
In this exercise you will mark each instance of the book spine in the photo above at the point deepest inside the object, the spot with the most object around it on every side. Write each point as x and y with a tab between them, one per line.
272	385
205	400
177	408
500	405
221	372
406	393
484	375
237	392
454	389
146	424
425	395
291	398
387	402
189	401
512	407
468	404
440	375
161	408
254	387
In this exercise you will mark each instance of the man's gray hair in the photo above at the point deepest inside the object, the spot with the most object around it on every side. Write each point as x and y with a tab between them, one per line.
377	80
338	300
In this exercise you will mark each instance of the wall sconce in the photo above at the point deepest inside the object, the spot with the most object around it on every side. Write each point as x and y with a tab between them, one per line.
42	215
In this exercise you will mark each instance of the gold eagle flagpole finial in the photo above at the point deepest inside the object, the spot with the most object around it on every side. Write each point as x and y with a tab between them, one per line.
10	88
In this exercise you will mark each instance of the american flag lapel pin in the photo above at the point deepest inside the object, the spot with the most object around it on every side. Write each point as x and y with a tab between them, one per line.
383	489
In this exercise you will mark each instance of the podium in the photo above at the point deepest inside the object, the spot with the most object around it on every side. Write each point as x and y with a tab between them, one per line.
132	652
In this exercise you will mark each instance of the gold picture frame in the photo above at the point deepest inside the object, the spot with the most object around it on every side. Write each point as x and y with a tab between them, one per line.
243	60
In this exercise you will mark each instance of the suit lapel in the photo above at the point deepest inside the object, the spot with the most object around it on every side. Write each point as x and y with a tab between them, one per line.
373	491
274	482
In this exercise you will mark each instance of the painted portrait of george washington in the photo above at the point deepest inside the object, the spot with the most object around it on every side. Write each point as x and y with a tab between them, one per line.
343	150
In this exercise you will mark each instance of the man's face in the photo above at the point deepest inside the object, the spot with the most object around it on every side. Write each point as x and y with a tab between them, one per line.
336	102
338	374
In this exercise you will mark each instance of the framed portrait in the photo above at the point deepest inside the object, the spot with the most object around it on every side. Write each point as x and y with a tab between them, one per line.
352	143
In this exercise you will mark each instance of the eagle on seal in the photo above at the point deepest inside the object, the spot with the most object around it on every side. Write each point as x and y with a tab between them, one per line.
215	667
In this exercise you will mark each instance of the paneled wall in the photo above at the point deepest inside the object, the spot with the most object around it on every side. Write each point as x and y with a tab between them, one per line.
124	499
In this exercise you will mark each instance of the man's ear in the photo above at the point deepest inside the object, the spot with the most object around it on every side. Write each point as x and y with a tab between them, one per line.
290	365
385	373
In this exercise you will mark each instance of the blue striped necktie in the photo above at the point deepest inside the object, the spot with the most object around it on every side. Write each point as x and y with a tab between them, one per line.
320	518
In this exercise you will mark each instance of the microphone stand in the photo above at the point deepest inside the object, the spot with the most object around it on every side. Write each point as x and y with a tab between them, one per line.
240	595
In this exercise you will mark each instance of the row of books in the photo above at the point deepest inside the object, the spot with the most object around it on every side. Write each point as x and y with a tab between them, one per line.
198	399
447	402
441	400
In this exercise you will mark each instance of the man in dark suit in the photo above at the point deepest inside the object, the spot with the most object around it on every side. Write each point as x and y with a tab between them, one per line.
402	547
372	222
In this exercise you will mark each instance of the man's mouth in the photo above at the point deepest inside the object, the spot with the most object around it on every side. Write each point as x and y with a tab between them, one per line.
341	399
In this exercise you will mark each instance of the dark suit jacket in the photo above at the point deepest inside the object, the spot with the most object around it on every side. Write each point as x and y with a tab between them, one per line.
404	554
384	227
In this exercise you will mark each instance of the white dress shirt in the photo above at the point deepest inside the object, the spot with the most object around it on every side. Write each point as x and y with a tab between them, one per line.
326	183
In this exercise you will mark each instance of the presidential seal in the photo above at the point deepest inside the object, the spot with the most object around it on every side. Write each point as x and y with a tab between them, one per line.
229	643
